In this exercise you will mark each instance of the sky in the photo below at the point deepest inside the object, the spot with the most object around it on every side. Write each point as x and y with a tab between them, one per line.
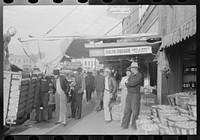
37	20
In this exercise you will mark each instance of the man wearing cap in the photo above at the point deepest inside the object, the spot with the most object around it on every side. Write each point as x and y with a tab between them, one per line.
109	92
132	106
79	90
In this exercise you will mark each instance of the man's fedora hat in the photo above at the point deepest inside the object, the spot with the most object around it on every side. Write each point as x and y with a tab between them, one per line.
134	65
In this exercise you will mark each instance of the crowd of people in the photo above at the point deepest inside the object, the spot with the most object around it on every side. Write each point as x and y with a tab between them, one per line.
69	94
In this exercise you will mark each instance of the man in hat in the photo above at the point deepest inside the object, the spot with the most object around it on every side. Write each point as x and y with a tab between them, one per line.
43	99
89	85
109	92
132	106
99	84
78	91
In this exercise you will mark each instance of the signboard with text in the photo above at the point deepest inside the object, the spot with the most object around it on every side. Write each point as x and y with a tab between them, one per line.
120	51
128	51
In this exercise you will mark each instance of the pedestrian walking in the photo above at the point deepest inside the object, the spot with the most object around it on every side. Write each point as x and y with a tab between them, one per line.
132	106
43	99
89	85
109	92
124	91
62	88
78	91
99	85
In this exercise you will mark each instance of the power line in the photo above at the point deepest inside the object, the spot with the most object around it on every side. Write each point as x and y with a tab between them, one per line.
129	26
94	22
61	20
121	21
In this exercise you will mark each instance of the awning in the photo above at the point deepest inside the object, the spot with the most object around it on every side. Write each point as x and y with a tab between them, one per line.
186	30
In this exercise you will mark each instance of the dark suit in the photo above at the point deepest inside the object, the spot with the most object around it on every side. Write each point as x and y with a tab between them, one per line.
132	106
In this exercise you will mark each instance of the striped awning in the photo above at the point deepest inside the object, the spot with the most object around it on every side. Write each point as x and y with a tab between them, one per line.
186	30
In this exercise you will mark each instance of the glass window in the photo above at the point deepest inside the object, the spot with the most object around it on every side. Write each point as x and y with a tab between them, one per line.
89	63
85	62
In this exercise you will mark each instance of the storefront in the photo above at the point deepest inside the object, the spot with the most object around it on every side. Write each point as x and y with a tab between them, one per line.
179	45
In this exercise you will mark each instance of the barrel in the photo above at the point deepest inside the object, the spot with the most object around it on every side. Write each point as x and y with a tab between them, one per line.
186	128
173	119
164	114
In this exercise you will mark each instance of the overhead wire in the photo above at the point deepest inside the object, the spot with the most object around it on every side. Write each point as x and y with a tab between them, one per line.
60	21
94	22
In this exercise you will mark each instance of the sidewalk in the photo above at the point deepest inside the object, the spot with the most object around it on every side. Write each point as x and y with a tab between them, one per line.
91	123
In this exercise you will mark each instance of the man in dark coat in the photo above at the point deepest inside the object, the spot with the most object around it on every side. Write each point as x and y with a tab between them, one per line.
78	91
132	106
99	85
89	85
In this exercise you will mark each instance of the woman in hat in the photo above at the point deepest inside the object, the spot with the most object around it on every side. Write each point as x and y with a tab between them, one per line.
124	90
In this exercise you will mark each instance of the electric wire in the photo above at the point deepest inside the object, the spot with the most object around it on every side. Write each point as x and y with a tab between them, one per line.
60	21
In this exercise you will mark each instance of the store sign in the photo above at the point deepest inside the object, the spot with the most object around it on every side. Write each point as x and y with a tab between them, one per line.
185	30
119	12
127	51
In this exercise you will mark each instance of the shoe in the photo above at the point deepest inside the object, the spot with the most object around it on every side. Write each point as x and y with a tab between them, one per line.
57	122
122	128
37	122
108	121
46	121
64	124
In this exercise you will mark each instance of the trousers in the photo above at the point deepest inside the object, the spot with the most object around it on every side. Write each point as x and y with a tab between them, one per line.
78	104
132	107
106	102
43	100
88	93
99	100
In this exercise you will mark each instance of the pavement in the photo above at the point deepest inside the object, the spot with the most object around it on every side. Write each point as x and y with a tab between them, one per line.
91	123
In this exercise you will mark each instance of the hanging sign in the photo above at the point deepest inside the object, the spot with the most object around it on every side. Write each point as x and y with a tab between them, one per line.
128	51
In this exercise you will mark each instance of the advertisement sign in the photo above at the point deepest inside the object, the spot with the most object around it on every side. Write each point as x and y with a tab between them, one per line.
128	51
119	12
96	52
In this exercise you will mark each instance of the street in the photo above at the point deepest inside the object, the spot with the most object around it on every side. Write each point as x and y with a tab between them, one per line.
91	123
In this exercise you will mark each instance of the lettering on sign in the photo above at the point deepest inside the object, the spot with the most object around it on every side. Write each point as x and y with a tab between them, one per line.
148	100
127	51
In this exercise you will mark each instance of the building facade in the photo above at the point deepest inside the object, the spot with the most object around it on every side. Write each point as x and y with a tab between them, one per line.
22	61
89	64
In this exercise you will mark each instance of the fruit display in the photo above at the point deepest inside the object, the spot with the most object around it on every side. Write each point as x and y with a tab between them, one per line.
178	118
140	122
150	128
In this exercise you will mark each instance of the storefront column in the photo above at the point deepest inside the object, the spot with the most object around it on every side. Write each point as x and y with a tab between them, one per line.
159	86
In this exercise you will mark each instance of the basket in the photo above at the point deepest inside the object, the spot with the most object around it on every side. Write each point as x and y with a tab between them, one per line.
172	99
193	109
183	101
191	130
173	119
164	114
164	130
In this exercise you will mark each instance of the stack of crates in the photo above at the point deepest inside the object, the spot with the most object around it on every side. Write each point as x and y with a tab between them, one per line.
6	93
17	97
31	94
